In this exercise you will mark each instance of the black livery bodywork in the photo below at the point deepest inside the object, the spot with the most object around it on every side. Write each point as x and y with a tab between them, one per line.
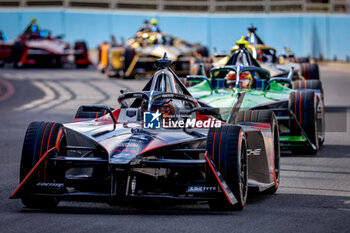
108	155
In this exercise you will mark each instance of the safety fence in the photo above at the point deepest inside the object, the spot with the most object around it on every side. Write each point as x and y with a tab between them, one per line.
212	6
307	34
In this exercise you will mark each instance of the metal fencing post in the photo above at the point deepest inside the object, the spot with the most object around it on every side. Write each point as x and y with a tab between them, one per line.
160	5
267	7
304	6
331	6
212	7
66	3
22	3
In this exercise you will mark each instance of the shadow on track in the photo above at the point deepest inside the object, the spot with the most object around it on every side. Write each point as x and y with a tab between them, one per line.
278	203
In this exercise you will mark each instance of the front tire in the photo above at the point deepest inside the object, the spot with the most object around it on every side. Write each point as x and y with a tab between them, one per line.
39	138
227	148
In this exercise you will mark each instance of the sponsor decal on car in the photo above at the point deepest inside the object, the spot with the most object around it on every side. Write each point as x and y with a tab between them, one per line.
253	152
202	189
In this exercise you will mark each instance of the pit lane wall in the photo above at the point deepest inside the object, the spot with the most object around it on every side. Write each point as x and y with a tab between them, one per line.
315	35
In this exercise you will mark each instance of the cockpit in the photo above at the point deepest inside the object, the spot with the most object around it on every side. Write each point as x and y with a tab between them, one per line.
164	93
239	77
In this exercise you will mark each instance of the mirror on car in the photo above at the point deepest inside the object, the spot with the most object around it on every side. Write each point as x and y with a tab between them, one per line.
281	80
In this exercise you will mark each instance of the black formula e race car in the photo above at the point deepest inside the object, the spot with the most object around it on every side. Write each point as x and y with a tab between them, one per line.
160	144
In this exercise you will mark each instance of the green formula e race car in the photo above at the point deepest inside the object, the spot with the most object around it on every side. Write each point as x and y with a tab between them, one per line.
246	87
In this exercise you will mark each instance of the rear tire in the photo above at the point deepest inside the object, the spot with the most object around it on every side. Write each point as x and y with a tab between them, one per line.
300	59
128	57
17	53
310	71
81	46
309	84
316	85
303	105
39	138
227	148
203	50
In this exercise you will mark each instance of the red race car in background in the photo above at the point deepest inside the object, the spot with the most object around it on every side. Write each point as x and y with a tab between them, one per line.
5	49
35	47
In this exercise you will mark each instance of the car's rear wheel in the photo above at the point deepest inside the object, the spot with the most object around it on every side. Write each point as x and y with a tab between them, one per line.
129	55
17	53
308	84
300	59
81	47
226	146
41	137
203	50
303	105
310	71
315	85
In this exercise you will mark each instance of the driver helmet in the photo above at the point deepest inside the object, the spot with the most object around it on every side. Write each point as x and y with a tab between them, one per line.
231	79
154	21
165	107
245	79
260	56
33	20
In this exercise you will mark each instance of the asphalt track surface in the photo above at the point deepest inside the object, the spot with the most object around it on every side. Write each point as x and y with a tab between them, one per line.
314	194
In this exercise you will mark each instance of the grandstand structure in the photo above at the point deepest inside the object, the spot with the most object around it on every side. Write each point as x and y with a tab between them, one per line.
205	6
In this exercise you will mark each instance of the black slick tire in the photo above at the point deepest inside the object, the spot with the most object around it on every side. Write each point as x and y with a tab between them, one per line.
310	71
39	138
309	84
315	85
303	105
226	146
17	53
81	46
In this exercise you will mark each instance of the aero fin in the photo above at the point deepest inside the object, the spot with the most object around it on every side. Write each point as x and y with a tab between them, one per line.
14	194
227	191
242	43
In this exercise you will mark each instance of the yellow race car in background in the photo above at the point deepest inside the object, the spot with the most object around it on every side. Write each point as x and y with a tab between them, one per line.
138	54
266	56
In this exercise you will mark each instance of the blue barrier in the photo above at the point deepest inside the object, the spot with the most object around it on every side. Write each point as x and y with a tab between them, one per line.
314	35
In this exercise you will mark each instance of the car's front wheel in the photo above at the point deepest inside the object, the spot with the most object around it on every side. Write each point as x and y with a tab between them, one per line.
41	137
227	147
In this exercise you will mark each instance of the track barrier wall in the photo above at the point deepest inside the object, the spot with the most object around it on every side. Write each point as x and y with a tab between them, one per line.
316	35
